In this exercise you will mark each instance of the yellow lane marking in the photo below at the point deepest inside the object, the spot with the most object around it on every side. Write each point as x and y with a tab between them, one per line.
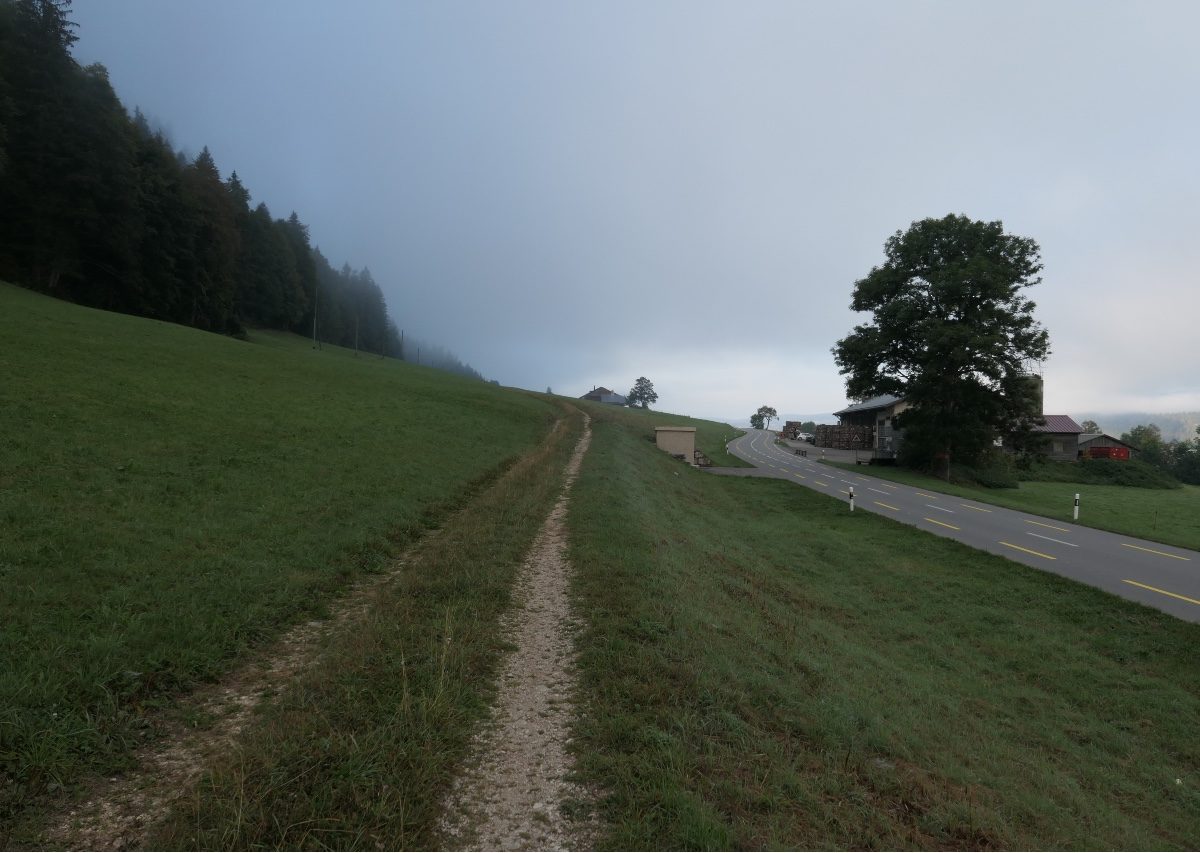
922	494
1163	591
819	483
843	491
942	523
1027	551
889	506
1152	551
976	508
1040	524
802	477
864	479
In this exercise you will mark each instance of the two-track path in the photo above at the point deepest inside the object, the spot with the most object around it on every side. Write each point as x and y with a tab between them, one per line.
516	791
1161	576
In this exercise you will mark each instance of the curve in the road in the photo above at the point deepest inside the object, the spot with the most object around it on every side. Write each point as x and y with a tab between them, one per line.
1161	576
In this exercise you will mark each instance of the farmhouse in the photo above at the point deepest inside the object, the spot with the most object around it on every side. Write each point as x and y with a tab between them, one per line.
603	395
1063	434
871	425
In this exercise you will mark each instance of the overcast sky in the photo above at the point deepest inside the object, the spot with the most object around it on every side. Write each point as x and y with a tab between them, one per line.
575	194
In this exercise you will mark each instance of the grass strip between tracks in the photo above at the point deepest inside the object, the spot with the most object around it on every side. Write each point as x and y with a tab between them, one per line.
765	670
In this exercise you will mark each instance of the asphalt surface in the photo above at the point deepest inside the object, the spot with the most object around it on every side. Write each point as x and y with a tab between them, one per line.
1161	576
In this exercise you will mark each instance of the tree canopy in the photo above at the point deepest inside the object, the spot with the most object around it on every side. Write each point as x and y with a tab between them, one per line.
952	332
641	394
763	417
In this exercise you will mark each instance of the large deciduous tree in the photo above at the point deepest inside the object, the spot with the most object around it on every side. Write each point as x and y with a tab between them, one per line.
765	415
642	393
951	331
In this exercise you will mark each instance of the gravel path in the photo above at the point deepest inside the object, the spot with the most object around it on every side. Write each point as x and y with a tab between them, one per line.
515	793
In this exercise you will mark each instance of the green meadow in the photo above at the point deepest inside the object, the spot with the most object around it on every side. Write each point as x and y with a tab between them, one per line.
759	667
170	499
763	670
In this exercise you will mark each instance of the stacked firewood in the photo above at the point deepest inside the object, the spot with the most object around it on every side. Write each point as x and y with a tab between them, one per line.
791	430
845	437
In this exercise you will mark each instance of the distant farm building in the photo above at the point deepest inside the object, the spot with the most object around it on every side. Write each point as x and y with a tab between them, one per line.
1063	435
871	426
603	395
1101	445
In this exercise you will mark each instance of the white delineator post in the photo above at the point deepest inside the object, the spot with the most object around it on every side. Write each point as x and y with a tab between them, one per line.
852	498
1077	506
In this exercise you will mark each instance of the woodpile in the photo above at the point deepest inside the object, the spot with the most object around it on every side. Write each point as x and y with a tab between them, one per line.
845	437
792	430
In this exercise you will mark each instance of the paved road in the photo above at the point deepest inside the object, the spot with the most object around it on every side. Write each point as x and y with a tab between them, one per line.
1161	576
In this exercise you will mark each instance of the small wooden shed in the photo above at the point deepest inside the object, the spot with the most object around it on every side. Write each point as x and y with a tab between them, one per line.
678	441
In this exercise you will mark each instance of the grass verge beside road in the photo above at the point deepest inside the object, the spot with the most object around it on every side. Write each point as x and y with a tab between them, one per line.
1170	516
171	498
763	670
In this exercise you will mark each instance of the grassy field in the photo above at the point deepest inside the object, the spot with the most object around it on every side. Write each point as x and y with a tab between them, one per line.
711	436
369	739
171	498
1171	516
763	669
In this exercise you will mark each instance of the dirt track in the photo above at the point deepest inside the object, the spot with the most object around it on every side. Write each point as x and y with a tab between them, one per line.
516	793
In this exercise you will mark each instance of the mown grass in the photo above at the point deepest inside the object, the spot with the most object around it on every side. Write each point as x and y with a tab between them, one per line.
763	669
1171	516
711	436
361	751
171	498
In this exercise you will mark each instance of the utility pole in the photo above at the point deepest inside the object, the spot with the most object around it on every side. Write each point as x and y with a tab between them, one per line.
316	302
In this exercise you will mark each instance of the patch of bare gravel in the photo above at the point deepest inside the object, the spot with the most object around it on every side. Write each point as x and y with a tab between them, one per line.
516	793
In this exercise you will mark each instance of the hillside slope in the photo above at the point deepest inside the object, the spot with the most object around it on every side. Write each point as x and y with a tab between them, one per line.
170	498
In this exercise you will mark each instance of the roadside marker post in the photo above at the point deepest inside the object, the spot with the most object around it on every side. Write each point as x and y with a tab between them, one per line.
852	498
1077	506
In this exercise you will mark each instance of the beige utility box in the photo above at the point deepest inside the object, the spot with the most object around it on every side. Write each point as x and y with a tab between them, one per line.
678	441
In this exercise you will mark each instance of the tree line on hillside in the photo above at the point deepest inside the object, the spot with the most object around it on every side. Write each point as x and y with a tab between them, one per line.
99	208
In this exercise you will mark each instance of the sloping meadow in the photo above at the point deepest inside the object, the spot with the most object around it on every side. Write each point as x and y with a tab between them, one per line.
170	499
765	670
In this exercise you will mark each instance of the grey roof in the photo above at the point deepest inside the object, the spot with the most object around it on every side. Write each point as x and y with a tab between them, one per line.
880	402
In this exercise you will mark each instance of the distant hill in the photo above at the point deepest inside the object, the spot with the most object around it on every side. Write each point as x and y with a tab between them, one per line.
1174	425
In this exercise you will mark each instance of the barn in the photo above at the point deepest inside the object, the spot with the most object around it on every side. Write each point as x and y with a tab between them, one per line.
869	425
1101	445
1063	437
